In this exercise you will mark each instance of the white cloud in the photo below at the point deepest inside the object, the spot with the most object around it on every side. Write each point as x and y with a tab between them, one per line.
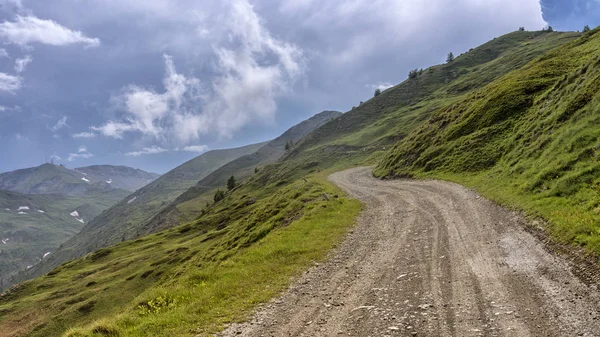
10	83
84	135
82	152
381	85
20	137
30	29
252	70
60	124
195	148
147	150
22	63
55	157
4	53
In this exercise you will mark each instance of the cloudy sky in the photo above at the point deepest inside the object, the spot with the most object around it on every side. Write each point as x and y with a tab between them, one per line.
153	83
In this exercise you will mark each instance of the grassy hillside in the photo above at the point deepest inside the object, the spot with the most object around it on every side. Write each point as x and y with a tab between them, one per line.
242	250
190	204
26	235
123	220
529	140
373	126
189	279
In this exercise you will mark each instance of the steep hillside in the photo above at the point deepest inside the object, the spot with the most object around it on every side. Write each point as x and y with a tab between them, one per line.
242	250
123	177
371	127
190	204
57	179
189	279
123	220
31	226
529	140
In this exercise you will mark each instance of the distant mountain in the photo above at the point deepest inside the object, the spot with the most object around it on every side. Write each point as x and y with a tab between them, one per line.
124	220
190	203
42	207
124	177
31	226
515	118
57	179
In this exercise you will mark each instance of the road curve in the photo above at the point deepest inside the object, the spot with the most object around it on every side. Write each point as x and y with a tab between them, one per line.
431	258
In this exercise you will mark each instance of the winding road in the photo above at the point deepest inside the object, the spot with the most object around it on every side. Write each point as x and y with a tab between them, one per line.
431	258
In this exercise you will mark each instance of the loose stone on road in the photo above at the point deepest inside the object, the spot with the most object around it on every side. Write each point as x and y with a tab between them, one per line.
431	258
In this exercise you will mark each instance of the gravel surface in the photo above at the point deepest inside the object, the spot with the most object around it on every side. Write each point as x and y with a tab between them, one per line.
431	258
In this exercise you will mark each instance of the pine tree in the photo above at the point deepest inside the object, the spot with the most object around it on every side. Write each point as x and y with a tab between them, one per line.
450	57
231	183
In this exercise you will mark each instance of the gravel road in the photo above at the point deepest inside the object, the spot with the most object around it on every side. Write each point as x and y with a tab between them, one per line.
431	258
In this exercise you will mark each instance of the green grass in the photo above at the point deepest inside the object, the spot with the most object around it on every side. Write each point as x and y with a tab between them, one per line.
125	220
190	279
370	129
528	140
33	234
245	249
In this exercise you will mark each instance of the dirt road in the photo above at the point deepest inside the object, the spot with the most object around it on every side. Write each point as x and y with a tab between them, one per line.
431	258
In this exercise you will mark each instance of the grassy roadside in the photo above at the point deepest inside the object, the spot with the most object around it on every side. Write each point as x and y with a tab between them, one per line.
569	219
191	279
528	140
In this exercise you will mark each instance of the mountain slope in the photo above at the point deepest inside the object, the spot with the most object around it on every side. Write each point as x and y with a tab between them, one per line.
190	203
528	140
123	220
57	179
34	225
242	250
370	128
123	177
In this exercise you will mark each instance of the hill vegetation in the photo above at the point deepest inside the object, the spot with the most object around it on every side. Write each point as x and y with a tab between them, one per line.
48	195
31	226
243	249
191	203
123	220
529	140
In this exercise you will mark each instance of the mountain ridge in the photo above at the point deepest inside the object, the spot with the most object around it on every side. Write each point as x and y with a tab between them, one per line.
57	179
243	250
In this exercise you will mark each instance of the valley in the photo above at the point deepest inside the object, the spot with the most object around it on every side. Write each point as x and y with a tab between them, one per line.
41	207
354	223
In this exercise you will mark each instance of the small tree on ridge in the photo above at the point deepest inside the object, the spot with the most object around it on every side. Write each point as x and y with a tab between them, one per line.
231	183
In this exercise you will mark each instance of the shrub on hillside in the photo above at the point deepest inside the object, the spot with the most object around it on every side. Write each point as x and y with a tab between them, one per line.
219	195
